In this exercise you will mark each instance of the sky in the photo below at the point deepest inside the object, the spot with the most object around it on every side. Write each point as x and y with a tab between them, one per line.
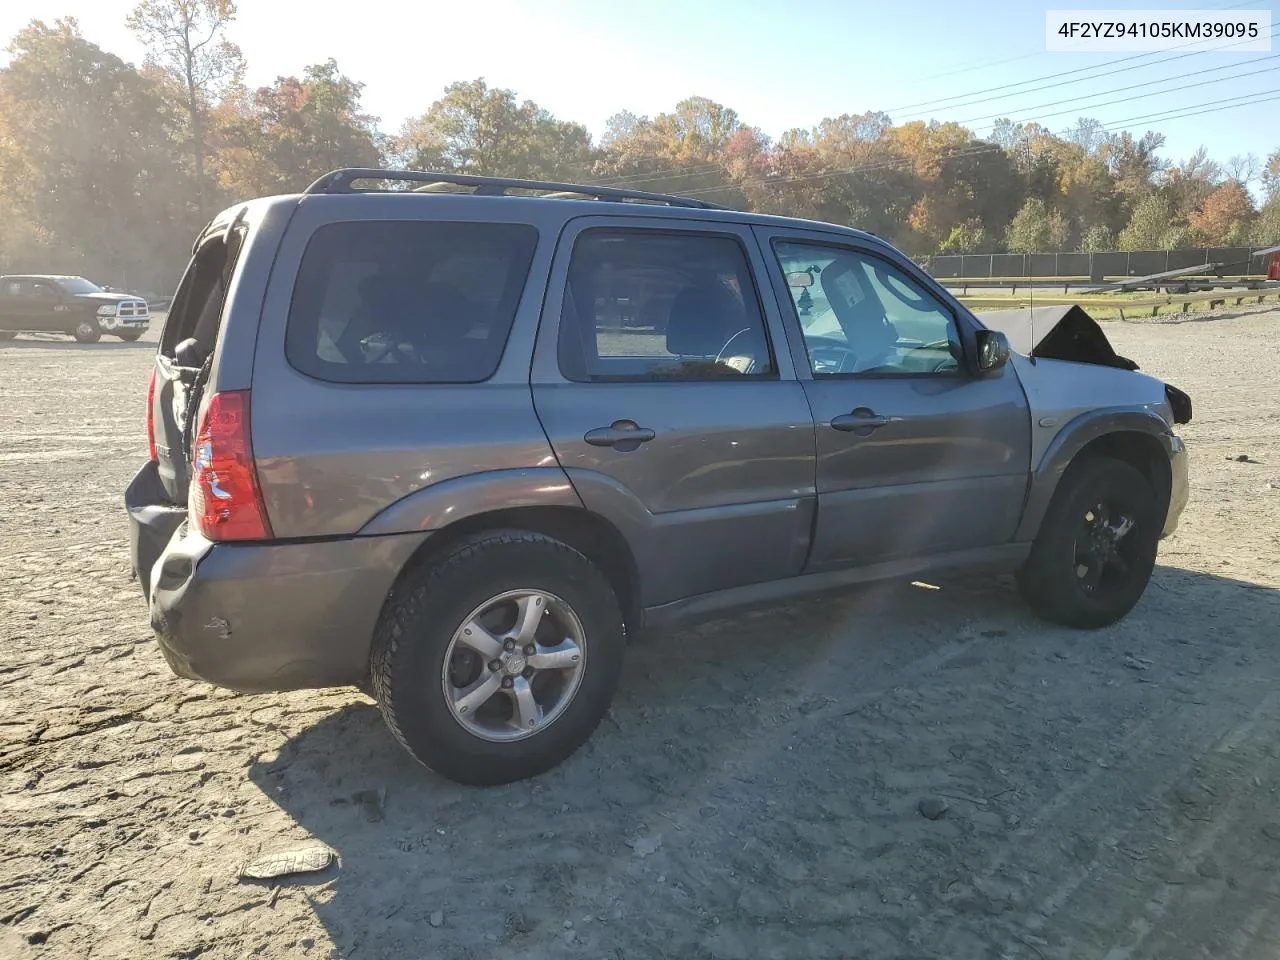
779	66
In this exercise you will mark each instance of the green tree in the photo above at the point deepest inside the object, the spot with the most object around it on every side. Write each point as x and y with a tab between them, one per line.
186	39
1149	225
479	130
1266	229
1097	239
1029	232
1271	176
967	237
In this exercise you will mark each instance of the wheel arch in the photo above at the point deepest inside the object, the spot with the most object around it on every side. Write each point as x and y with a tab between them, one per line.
587	532
1138	437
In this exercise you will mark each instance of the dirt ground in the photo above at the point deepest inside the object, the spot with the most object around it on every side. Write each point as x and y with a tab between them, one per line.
755	791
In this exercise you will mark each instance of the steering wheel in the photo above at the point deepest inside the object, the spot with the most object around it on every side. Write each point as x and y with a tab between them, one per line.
720	355
941	366
841	357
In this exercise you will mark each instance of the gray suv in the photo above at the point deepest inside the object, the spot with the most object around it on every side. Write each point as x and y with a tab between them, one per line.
455	440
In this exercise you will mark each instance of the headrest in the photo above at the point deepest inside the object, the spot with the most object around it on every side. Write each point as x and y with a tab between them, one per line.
702	318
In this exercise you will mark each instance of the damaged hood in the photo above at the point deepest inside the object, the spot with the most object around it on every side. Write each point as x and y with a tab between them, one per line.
1056	333
1069	333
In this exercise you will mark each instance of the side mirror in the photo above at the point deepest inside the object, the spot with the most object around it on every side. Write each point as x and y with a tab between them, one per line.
993	351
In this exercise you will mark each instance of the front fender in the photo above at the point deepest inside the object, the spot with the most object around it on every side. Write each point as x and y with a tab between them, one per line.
452	500
1073	437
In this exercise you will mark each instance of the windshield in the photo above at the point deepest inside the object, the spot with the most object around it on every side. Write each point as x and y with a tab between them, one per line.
75	285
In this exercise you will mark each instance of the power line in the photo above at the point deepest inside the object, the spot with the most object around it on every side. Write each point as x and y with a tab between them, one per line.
1135	86
1188	86
1039	53
1106	73
1249	99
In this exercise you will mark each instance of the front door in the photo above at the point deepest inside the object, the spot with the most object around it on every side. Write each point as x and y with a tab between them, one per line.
660	383
916	456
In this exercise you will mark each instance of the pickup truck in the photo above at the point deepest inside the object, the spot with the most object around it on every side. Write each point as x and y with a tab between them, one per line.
70	305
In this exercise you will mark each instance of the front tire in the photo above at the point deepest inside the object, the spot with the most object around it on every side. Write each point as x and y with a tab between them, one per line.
87	331
131	336
1096	548
498	660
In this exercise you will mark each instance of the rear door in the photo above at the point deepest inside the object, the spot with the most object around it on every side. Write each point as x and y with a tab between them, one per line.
11	304
916	456
659	380
48	308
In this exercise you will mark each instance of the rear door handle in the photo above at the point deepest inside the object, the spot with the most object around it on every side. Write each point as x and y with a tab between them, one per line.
863	420
624	435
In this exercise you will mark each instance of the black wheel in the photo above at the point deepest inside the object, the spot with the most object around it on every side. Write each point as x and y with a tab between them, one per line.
87	330
130	336
1096	548
498	660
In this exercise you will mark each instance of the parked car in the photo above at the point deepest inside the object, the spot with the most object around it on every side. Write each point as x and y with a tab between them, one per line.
70	305
414	441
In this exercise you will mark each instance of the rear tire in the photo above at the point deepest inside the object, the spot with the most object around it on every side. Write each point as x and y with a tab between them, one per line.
1093	557
423	667
87	331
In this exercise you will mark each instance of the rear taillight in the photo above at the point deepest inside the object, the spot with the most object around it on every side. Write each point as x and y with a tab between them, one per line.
226	501
152	455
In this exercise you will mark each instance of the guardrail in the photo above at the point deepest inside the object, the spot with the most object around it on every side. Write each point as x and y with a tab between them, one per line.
1154	304
1067	282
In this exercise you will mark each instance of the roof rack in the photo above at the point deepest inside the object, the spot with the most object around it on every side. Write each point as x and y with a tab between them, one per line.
340	181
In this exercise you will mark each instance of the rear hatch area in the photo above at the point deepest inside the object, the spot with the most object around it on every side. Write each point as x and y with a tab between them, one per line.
157	498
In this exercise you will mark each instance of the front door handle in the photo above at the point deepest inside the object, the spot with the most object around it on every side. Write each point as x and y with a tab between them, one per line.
624	435
862	420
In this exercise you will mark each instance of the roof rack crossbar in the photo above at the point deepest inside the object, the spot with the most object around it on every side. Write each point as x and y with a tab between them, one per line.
340	181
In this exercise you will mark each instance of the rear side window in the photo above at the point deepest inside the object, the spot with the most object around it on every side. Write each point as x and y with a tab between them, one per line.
407	301
196	311
661	305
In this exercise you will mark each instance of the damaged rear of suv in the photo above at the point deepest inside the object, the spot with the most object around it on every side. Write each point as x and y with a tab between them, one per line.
456	441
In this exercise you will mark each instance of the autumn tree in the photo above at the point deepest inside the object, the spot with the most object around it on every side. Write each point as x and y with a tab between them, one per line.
284	136
1189	184
186	39
1225	219
1134	163
699	147
93	177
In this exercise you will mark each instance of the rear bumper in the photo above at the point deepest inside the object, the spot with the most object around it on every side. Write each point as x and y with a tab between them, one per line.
262	617
1180	487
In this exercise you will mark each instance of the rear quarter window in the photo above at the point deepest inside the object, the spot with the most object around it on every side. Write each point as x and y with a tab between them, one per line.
407	301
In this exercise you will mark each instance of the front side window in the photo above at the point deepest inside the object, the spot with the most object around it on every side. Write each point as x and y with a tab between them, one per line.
862	315
407	301
656	305
78	285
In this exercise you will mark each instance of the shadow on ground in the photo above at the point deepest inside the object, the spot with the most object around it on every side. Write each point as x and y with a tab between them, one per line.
754	790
